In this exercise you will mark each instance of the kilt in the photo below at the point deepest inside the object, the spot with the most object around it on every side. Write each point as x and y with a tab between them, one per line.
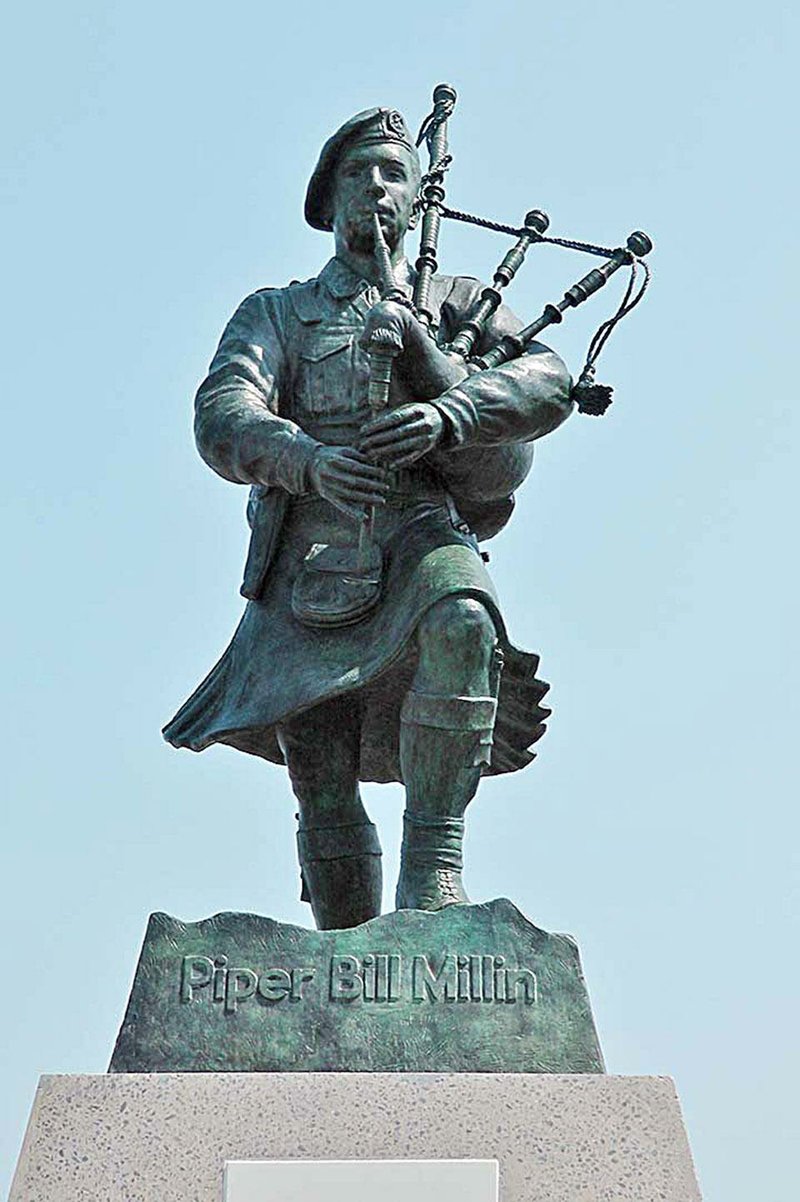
275	667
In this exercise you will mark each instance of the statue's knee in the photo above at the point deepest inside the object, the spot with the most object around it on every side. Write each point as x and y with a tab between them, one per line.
458	628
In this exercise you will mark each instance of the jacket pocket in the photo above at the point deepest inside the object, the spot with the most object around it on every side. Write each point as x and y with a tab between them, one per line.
325	373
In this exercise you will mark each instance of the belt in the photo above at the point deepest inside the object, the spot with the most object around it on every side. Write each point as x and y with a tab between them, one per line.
411	485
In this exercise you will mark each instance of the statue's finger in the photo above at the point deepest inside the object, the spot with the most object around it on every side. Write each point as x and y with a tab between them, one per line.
378	487
389	419
391	454
373	492
353	470
354	455
382	438
358	493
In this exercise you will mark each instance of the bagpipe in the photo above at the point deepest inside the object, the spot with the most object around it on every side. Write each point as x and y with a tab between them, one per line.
591	398
482	479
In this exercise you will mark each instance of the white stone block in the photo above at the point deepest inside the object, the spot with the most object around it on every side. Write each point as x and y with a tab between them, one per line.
351	1180
155	1137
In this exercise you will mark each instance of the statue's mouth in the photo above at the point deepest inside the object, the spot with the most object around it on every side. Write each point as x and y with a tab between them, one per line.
384	212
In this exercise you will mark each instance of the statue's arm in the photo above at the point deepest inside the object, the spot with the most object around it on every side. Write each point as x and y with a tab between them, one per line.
238	428
517	402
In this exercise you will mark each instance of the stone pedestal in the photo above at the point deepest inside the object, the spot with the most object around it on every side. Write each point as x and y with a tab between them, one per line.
166	1137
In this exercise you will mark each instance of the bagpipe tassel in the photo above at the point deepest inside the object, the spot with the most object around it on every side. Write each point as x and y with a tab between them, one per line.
591	398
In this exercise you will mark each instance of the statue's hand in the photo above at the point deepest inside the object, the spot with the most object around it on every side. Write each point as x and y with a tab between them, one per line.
400	436
388	315
347	479
428	370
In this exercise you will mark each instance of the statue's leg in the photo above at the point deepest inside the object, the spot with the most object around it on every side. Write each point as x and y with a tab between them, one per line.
338	847
445	742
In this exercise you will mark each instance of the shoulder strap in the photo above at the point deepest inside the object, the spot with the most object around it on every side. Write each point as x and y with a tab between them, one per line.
305	300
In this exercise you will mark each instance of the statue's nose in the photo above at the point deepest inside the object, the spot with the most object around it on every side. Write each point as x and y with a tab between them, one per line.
375	185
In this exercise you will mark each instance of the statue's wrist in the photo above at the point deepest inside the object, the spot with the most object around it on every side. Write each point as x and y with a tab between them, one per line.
313	465
446	437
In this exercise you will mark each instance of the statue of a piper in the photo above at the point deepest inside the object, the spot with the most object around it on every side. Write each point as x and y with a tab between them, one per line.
372	647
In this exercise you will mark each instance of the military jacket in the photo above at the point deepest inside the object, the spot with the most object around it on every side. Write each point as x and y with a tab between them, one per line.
289	374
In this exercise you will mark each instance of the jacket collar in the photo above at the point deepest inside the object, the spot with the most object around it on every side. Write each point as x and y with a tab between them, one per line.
342	282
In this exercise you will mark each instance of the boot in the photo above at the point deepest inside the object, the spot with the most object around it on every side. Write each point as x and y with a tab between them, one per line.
431	863
341	873
445	743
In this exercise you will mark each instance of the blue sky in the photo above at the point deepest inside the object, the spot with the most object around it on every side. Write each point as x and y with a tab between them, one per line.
154	161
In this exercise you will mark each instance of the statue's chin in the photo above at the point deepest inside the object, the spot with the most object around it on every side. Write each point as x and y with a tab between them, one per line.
360	239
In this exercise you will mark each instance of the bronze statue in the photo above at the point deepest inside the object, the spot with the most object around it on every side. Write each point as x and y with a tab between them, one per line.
372	646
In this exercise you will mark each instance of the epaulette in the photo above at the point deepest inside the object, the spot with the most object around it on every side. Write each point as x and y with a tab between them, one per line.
304	299
301	295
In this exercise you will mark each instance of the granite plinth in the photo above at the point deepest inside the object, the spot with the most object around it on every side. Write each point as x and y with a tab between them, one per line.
136	1138
468	989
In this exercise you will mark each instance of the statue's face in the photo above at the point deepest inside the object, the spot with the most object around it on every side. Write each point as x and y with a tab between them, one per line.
382	178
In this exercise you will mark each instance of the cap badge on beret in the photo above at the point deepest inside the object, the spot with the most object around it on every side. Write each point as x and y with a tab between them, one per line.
395	123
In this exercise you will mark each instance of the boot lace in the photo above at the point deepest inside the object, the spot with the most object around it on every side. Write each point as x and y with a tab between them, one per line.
449	884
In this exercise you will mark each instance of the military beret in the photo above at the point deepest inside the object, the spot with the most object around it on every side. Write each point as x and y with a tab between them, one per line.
373	125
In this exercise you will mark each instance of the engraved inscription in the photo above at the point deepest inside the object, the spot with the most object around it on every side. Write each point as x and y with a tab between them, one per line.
234	985
377	978
475	978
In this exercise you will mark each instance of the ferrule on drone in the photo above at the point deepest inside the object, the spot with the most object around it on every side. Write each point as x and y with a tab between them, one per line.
591	398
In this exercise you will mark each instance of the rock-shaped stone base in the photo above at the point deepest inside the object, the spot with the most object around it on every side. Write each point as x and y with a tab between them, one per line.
149	1137
467	989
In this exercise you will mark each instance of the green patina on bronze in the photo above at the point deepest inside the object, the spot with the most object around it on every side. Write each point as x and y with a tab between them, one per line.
384	416
472	988
373	645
